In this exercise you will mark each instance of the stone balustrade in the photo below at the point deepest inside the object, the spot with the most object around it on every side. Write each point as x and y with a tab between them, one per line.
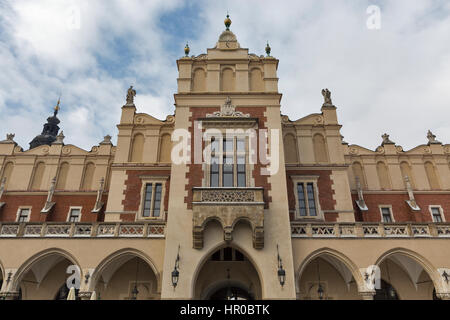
83	230
369	230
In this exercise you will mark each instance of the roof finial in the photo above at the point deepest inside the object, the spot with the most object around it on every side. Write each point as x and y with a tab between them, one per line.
57	105
186	49
227	22
268	49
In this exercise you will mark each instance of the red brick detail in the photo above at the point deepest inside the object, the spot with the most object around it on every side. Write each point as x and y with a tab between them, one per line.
195	173
58	213
133	191
326	192
400	209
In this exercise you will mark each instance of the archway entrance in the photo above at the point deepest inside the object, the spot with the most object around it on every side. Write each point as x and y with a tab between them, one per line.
326	277
126	277
403	277
45	278
228	275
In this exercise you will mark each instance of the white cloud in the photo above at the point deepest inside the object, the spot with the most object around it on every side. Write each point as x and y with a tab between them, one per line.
393	80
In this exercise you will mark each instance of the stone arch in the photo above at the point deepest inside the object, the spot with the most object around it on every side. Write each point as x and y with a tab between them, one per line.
137	148
38	174
351	266
62	176
30	262
422	261
88	176
358	172
320	148
290	148
165	148
431	175
7	172
199	80
227	83
120	254
383	176
255	79
204	259
257	226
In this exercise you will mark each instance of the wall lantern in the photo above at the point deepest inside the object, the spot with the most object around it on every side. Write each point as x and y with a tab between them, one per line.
175	272
281	272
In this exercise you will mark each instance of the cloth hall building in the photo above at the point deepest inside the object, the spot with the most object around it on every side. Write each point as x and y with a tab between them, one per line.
182	209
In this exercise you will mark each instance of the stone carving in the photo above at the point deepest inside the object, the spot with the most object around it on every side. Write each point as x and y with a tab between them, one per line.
106	139
98	203
2	189
59	138
130	96
49	204
327	97
227	196
432	138
412	201
386	139
360	202
9	138
228	110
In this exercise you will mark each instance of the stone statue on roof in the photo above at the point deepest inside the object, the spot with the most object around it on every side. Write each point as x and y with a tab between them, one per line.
130	96
327	97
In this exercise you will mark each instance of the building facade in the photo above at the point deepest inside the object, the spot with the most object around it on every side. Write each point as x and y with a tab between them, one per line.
225	199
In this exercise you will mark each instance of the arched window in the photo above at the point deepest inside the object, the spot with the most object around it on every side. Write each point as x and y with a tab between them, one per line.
358	172
290	149
383	176
7	172
88	177
62	176
165	149
227	80
407	172
137	148
255	80
431	175
320	149
36	184
199	80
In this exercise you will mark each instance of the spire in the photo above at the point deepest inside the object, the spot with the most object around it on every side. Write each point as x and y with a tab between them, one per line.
50	131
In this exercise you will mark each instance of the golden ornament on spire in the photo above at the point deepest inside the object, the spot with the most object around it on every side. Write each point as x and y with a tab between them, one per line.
57	105
227	22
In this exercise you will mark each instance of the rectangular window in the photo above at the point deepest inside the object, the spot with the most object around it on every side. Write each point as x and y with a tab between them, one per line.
301	200
157	205
241	171
152	200
74	215
228	171
311	200
148	200
24	215
386	214
228	163
436	213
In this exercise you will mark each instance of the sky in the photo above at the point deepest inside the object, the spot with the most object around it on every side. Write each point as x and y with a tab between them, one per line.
393	79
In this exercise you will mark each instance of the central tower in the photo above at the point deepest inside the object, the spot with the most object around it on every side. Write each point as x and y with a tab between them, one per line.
221	195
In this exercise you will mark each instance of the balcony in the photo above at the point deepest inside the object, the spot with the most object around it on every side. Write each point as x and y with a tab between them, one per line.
82	230
370	230
228	206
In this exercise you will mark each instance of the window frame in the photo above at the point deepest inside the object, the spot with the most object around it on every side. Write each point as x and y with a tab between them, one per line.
221	154
391	212
70	211
18	214
305	180
441	212
162	210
